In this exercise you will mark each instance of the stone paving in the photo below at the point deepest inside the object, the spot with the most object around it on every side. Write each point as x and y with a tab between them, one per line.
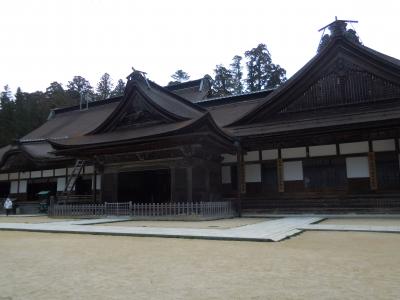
362	228
271	230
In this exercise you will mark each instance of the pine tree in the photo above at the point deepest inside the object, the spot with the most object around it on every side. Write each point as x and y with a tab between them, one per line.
7	127
179	77
119	89
78	86
223	82
57	97
21	113
262	73
104	87
237	74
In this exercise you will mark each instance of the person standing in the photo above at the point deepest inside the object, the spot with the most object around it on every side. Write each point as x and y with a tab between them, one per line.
8	205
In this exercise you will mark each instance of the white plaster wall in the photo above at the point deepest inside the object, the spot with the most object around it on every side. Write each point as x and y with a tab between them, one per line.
13	176
292	170
351	148
227	158
23	185
24	175
251	156
48	173
357	167
14	187
36	174
252	173
269	154
60	172
226	174
322	150
98	182
383	145
89	170
296	152
60	184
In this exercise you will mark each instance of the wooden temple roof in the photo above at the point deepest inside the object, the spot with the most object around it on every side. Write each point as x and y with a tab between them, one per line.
344	85
339	58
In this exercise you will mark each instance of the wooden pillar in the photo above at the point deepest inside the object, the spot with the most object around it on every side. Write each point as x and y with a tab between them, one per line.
209	169
373	181
189	174
94	191
173	184
279	173
241	180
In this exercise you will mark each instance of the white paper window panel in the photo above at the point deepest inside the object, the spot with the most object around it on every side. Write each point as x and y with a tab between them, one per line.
292	170
269	154
252	173
36	174
293	152
23	184
14	176
60	184
357	147
48	173
89	170
357	167
322	150
24	175
383	145
226	174
4	176
98	182
251	156
227	158
60	172
14	187
70	170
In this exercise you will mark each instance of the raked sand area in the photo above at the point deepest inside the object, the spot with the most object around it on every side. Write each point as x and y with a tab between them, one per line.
312	265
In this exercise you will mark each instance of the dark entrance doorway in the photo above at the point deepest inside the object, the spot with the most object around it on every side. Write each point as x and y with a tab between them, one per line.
152	186
39	185
4	189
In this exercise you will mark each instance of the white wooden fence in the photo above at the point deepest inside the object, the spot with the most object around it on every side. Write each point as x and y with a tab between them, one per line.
173	209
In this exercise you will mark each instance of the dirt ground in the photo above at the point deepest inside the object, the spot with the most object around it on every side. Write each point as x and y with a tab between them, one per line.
363	221
217	224
312	265
30	220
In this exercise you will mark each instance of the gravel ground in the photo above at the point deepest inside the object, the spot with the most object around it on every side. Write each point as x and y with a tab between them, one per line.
312	265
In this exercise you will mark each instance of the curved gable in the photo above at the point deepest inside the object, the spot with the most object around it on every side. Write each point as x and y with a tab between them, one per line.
344	73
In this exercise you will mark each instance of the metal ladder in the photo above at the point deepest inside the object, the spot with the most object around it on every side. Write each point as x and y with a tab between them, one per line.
76	171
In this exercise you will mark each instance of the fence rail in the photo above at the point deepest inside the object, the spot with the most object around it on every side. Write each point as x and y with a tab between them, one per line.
173	209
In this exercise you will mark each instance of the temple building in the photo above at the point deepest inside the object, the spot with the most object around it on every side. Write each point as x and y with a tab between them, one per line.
325	140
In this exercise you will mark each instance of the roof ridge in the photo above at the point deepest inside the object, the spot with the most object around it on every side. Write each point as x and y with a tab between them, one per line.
91	104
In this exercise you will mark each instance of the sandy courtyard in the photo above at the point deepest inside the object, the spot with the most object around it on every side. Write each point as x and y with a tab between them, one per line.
313	265
217	224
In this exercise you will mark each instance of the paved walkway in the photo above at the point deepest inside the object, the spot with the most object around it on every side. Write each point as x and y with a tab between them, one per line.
365	228
271	230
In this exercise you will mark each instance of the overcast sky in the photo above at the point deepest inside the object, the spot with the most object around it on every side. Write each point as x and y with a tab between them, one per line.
45	41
